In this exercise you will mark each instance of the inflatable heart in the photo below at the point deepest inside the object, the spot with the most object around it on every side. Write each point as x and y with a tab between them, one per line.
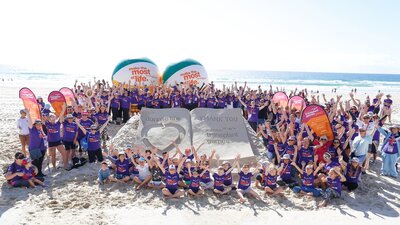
162	136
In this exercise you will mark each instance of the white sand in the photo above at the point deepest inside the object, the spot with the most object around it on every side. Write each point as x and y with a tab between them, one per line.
74	197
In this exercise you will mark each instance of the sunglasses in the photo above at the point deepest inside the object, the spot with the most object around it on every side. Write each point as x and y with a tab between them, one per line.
336	142
323	139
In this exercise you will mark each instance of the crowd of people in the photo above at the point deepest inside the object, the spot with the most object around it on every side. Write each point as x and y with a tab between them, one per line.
296	158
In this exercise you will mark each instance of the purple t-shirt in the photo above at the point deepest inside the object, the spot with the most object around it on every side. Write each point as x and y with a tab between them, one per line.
93	141
101	117
122	168
171	180
166	103
86	124
194	183
308	180
306	155
335	184
286	172
53	131
210	102
36	139
331	165
228	178
221	103
334	155
270	181
244	180
289	149
185	172
125	102
115	102
70	130
28	173
15	168
252	114
219	181
352	174
391	146
202	102
205	178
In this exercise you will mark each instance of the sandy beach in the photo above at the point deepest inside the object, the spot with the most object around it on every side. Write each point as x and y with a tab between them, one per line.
75	197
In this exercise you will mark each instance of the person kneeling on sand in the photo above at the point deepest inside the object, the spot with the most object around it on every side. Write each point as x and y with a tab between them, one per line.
104	173
334	190
171	180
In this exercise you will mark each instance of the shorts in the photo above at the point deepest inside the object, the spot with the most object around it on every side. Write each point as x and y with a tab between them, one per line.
69	145
120	176
261	121
156	183
133	175
247	190
219	188
259	178
195	190
373	147
172	191
24	139
54	143
187	182
273	187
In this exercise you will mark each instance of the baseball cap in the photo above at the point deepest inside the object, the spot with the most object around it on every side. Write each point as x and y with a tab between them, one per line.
286	156
19	155
85	113
141	159
69	116
93	126
171	167
22	111
37	121
121	153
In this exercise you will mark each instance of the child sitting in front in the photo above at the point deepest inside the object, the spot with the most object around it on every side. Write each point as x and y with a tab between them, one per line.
104	173
29	174
308	177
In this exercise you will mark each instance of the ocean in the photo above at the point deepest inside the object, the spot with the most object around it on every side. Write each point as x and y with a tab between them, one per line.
323	82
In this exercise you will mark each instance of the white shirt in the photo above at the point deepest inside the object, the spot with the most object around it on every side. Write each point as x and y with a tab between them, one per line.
23	126
143	171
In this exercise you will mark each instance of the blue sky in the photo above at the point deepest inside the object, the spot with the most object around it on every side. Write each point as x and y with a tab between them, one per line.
93	36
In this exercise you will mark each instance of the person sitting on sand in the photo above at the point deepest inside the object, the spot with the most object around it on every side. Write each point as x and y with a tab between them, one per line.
30	173
122	165
171	180
194	186
144	175
104	174
270	181
219	179
334	190
205	176
185	180
308	177
156	173
244	183
285	172
352	172
15	173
